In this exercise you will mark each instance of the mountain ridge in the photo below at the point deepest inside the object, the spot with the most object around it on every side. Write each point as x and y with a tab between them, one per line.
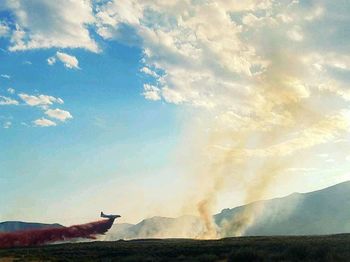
317	212
294	214
11	226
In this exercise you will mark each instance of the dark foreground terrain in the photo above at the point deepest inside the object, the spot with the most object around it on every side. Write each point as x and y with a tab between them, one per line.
300	248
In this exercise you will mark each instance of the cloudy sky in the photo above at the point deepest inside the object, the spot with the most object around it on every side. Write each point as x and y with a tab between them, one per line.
150	107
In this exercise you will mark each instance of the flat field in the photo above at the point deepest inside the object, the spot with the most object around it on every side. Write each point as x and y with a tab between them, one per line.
279	248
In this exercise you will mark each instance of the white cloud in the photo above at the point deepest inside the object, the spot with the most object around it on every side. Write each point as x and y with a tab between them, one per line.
248	5
295	34
68	61
43	102
11	90
212	58
112	15
59	114
40	100
7	124
51	60
47	24
151	92
7	101
252	20
4	29
315	14
148	71
212	54
285	18
5	76
43	122
187	54
172	96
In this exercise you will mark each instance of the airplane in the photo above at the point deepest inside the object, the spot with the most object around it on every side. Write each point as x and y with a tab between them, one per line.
109	216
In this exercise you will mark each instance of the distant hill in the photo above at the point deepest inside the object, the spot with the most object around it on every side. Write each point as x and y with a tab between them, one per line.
158	227
325	211
11	226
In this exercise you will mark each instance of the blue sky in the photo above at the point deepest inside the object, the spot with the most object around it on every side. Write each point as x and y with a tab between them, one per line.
113	129
154	108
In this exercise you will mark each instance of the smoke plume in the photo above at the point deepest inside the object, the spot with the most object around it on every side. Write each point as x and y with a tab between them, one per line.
39	237
260	77
265	92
